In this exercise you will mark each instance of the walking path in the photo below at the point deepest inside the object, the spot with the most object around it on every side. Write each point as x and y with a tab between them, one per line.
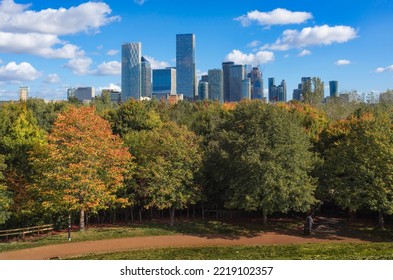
124	244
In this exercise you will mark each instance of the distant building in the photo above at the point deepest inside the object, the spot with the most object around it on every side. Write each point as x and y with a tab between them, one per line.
256	83
216	85
146	73
203	90
333	88
226	68
114	95
277	93
205	78
297	93
246	89
23	93
174	98
237	75
131	57
164	82
185	65
82	94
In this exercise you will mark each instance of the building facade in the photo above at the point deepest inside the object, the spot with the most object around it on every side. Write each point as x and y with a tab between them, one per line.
237	75
146	78
185	65
23	93
216	85
256	83
131	85
203	90
164	82
246	89
333	88
226	68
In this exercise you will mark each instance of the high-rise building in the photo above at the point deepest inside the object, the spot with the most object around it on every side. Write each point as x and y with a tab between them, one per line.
203	90
333	87
146	73
23	93
185	65
216	85
205	78
256	83
164	82
272	90
131	85
297	93
246	89
226	68
237	75
277	93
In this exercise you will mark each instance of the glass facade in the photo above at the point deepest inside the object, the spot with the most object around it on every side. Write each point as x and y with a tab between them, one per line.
216	85
226	68
237	75
131	55
246	89
256	83
146	78
333	86
164	81
185	65
203	90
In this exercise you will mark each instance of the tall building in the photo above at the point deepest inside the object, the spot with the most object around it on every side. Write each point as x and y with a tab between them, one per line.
146	73
237	75
131	85
226	68
164	82
297	93
23	93
333	87
256	83
216	85
203	90
277	93
185	65
246	89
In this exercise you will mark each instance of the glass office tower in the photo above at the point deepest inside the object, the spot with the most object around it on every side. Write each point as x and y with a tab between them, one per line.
131	55
333	86
237	75
185	65
146	78
226	68
216	85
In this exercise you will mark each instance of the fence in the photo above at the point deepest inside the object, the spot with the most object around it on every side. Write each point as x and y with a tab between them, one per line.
22	232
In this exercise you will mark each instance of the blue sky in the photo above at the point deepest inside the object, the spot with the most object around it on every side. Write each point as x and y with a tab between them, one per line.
52	45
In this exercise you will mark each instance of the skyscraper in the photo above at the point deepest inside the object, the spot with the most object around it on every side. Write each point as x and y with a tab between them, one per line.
185	65
226	68
256	83
164	82
246	89
237	75
333	86
203	90
146	73
277	93
272	90
131	55
216	85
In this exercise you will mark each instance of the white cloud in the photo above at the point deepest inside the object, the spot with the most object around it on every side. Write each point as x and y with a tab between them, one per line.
156	64
276	17
384	69
37	32
342	62
79	66
254	44
108	68
250	59
140	2
304	53
52	79
317	35
110	86
14	73
112	52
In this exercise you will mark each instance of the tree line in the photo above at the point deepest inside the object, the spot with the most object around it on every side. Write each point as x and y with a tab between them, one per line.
61	159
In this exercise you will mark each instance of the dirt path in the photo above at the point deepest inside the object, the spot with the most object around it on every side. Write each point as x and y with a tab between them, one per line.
123	244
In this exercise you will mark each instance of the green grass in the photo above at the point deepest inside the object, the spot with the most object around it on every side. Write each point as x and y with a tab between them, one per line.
325	251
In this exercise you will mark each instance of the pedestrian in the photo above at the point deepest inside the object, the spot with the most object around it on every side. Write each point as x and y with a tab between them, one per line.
308	225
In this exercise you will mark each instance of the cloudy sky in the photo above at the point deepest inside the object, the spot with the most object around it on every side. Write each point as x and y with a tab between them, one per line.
52	45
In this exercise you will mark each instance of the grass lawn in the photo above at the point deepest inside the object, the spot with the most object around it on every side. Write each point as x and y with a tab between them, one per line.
325	251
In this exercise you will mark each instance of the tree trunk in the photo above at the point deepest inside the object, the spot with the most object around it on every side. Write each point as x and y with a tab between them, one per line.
351	216
82	220
172	216
132	214
140	214
381	222
264	214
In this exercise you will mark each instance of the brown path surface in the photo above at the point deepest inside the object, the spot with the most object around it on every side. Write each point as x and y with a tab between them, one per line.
123	244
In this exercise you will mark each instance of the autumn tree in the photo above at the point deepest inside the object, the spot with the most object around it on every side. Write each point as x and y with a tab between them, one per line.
5	196
267	161
168	158
83	165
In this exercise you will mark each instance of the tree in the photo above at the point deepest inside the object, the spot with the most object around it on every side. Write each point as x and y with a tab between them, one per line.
359	168
313	91
265	153
83	165
168	158
5	196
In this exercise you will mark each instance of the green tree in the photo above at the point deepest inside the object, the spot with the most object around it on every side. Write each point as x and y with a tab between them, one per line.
266	156
359	168
83	166
5	196
168	158
313	91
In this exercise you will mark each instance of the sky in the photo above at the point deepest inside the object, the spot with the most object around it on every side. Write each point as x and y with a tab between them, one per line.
53	45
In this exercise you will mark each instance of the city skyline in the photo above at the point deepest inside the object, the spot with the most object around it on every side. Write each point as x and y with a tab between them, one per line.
80	45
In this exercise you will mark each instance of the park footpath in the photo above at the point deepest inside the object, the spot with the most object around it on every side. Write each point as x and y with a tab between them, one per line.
71	249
